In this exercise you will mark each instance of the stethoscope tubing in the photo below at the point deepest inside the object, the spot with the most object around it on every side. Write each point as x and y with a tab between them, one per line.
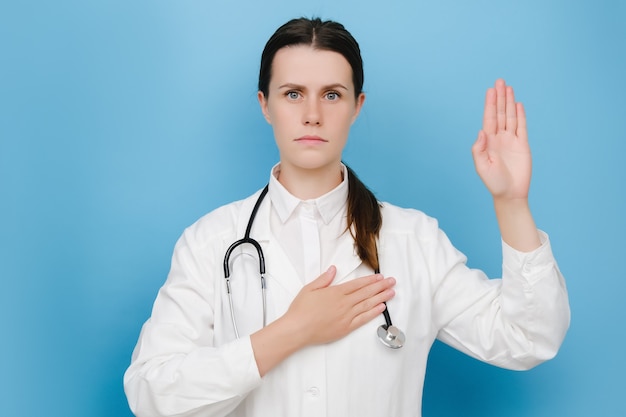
259	250
388	334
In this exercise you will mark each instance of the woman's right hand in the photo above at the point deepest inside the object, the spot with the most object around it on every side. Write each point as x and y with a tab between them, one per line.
324	313
321	313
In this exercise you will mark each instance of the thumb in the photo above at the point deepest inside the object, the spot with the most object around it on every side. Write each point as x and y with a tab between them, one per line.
325	279
479	149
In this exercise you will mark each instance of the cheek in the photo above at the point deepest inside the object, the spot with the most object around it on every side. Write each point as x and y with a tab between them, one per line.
282	126
344	119
282	116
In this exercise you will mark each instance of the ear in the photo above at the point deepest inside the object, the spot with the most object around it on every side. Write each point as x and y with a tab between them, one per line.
359	105
263	104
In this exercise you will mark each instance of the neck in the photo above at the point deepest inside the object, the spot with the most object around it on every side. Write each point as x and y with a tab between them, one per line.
307	184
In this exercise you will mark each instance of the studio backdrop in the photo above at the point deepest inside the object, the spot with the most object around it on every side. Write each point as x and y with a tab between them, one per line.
122	122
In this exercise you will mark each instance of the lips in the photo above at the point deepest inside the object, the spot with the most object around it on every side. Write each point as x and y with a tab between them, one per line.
311	140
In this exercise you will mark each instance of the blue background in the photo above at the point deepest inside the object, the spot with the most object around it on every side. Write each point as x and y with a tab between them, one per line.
122	122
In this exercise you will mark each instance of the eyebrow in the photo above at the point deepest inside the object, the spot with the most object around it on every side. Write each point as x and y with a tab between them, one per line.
294	86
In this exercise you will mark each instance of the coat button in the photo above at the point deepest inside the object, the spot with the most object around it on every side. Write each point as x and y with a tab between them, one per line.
313	392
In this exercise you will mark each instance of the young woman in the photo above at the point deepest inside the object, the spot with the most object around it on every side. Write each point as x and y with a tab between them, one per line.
306	338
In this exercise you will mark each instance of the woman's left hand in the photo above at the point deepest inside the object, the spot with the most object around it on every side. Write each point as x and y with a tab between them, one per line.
501	152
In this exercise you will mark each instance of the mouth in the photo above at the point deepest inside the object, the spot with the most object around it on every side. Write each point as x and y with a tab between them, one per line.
310	140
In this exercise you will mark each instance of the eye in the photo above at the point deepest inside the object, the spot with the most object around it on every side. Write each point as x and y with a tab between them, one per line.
292	95
332	96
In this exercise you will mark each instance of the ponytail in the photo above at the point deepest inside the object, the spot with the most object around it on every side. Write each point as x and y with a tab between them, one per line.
364	219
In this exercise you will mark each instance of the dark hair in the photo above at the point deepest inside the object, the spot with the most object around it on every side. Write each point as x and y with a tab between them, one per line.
325	35
364	218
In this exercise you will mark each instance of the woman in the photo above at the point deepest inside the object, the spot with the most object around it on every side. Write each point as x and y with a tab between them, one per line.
324	237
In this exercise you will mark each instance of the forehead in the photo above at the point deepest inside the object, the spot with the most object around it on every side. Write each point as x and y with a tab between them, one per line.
305	65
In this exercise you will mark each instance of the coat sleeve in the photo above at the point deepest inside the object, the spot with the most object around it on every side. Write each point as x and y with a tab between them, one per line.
515	322
175	369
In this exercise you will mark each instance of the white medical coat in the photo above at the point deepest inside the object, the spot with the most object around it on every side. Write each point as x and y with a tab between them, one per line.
188	362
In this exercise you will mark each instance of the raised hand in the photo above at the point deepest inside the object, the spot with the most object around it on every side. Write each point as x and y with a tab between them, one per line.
501	152
502	159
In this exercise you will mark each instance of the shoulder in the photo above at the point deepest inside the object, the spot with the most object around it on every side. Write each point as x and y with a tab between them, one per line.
222	222
404	227
400	220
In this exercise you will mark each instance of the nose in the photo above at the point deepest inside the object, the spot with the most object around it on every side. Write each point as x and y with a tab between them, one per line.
312	112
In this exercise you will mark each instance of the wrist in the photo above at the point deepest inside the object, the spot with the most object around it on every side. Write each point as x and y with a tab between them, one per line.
294	334
517	226
275	343
513	205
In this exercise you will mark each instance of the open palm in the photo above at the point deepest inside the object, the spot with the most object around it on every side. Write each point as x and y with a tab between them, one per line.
501	152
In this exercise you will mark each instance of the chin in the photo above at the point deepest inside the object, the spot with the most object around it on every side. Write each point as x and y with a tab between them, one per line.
315	164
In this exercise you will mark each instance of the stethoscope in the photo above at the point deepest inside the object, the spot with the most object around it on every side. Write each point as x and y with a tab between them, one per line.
388	334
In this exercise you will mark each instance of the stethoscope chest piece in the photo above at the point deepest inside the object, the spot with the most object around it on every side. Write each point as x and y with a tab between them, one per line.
391	336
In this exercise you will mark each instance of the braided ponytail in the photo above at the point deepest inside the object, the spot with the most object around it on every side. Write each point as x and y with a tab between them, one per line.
364	219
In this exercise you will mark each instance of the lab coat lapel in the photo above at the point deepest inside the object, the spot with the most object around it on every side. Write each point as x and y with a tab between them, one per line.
278	268
345	258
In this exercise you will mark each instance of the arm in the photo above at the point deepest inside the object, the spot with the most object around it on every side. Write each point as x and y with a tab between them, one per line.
177	370
520	320
503	162
175	367
515	322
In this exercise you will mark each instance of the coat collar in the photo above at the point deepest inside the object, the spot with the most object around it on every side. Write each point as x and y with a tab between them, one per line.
277	264
328	205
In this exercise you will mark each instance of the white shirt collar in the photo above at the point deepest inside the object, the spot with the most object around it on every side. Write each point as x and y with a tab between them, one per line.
327	205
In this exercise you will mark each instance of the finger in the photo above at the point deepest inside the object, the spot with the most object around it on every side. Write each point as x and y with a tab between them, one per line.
371	308
367	316
371	290
522	132
500	104
372	301
489	117
323	280
356	284
511	113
